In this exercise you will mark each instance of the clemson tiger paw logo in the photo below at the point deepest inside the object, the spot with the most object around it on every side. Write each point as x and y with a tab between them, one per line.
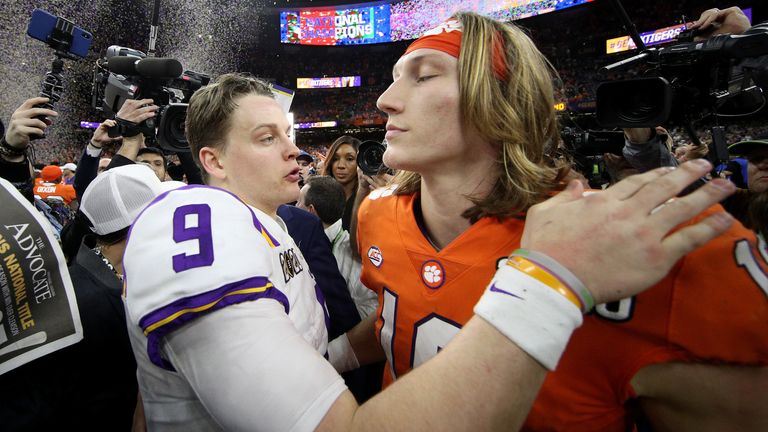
432	274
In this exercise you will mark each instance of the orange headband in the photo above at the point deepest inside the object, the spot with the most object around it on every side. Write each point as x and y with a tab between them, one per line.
447	38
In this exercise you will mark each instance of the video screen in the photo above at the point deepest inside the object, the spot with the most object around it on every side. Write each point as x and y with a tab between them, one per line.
345	25
328	82
363	25
323	124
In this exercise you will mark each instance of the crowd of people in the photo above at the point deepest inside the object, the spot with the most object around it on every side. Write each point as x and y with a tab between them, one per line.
252	284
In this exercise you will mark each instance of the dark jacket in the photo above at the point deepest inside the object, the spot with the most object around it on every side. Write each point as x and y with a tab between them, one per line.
307	231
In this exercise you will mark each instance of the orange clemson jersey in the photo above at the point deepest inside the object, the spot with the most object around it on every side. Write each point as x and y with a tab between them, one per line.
425	296
45	190
712	307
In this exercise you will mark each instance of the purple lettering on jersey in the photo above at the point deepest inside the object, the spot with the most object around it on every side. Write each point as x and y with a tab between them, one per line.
201	233
160	322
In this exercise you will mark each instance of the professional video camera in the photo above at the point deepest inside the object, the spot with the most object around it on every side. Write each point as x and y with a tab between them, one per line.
582	136
685	82
125	73
584	143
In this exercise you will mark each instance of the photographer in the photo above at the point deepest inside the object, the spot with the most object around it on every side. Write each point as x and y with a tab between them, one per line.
132	114
90	158
648	148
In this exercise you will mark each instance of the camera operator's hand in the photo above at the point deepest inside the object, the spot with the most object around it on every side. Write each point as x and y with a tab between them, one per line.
101	135
638	135
618	168
137	110
643	135
366	183
627	214
25	124
721	21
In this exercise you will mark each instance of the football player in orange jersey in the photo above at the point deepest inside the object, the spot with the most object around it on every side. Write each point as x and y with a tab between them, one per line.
229	331
470	125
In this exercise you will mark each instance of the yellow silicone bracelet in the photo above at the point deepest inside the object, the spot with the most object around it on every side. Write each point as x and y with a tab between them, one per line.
536	272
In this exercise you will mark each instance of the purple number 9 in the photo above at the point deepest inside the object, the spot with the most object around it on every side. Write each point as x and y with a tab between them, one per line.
201	233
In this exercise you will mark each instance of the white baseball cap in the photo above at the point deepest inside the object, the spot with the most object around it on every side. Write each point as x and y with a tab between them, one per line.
69	166
115	198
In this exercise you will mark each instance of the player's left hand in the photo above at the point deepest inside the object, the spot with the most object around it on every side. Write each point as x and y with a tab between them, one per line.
615	241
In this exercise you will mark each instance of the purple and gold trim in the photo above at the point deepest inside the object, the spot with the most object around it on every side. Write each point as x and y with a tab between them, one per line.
168	318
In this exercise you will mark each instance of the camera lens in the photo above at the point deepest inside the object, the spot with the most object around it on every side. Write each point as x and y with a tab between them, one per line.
370	156
171	134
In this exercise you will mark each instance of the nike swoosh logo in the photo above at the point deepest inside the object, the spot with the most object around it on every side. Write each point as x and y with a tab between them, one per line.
499	290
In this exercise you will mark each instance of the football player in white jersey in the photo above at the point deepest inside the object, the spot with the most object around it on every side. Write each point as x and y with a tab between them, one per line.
229	333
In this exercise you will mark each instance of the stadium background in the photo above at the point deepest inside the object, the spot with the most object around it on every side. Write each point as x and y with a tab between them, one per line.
218	36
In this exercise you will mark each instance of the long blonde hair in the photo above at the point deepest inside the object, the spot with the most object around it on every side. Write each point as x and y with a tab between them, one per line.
515	113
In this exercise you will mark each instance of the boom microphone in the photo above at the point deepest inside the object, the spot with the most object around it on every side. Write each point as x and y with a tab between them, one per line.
159	68
123	65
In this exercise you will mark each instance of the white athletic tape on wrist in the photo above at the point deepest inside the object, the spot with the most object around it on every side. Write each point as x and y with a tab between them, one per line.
535	317
341	355
92	150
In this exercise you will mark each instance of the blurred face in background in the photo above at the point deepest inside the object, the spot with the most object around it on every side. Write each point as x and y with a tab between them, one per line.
156	162
103	164
757	170
304	167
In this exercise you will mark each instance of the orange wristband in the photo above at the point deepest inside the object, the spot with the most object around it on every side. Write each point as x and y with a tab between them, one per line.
531	269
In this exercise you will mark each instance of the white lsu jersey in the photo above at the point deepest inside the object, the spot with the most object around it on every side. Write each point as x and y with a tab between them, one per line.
194	251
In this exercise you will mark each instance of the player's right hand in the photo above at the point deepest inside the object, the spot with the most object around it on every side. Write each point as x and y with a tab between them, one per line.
24	122
617	241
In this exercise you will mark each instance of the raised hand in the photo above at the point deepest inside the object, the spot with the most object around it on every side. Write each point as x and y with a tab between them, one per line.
25	124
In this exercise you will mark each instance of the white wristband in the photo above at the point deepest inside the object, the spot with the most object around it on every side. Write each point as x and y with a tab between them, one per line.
92	150
341	355
535	317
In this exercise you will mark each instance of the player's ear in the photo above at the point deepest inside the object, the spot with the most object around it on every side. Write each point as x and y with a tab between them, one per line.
212	161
